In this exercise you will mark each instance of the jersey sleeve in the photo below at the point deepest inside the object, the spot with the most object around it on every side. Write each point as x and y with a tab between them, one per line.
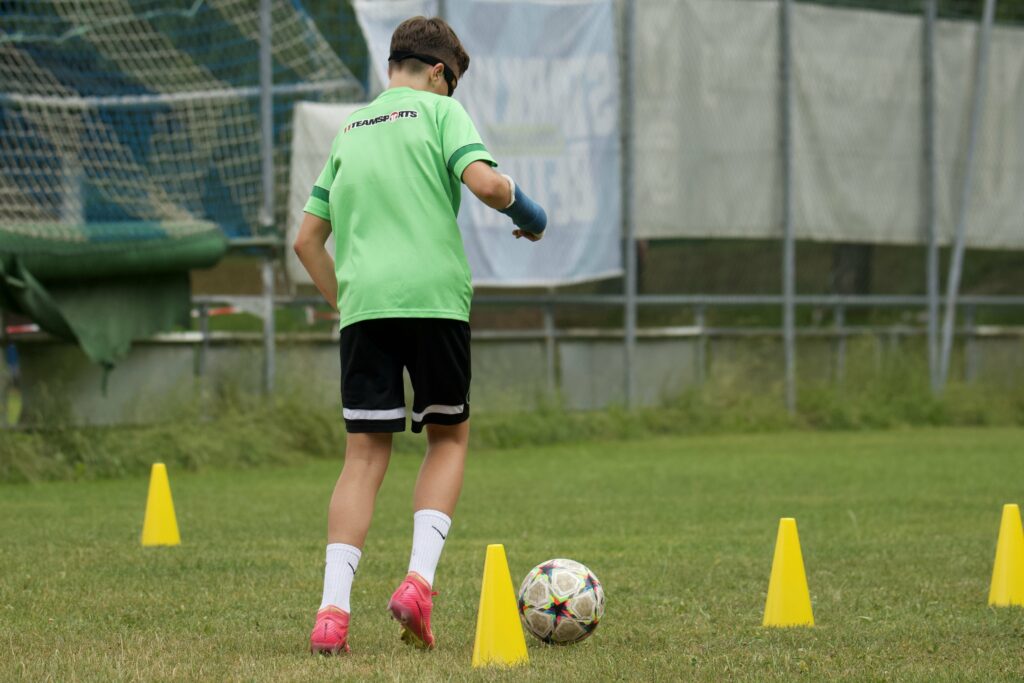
460	140
320	198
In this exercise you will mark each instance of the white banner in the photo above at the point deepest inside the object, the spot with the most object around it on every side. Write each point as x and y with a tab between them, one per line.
707	136
543	90
706	123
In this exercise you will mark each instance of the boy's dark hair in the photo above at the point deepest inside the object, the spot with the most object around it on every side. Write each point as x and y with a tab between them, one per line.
432	37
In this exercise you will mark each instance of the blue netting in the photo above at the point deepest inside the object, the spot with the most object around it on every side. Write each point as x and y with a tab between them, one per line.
151	114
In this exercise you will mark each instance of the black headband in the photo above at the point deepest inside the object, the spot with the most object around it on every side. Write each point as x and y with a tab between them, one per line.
449	75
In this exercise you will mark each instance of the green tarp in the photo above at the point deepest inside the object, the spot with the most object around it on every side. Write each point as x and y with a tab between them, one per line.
118	284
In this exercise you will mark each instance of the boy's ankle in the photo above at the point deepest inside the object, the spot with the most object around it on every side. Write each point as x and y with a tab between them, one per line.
418	578
331	609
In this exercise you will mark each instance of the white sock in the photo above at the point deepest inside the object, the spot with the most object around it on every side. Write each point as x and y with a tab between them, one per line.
342	562
429	531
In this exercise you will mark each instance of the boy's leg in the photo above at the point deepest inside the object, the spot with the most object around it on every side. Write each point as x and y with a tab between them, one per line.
437	491
350	512
348	520
440	374
351	508
373	406
439	368
440	480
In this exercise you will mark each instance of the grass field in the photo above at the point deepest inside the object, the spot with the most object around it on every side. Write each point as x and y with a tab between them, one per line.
898	532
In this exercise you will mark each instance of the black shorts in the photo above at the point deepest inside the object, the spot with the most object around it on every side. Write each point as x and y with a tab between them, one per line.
373	354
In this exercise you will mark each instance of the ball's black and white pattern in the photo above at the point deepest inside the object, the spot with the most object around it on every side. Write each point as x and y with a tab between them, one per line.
561	602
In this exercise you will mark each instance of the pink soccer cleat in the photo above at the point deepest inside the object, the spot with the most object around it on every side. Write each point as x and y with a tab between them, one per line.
410	605
330	633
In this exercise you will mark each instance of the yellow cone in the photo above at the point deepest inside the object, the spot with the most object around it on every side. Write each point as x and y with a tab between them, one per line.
789	602
160	526
1008	574
499	633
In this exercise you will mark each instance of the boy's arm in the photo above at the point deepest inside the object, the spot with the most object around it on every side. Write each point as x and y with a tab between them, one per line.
309	247
488	185
501	192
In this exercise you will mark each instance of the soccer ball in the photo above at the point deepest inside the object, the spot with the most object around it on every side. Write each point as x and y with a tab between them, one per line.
561	602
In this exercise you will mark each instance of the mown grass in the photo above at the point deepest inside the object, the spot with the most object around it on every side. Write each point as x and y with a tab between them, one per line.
898	531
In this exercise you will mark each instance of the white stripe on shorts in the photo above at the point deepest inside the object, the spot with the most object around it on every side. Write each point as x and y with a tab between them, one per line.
441	410
359	414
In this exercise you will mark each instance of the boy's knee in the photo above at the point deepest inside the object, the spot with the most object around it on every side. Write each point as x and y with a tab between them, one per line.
457	433
367	451
368	442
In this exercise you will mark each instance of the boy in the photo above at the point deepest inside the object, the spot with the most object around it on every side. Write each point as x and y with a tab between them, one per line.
391	191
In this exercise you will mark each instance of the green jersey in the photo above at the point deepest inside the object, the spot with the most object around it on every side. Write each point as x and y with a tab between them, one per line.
391	189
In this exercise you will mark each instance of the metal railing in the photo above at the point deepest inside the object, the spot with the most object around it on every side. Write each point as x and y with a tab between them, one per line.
700	331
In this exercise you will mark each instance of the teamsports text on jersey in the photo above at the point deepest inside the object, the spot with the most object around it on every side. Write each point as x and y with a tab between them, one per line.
386	118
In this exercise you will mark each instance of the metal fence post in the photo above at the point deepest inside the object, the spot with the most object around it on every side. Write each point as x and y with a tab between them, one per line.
4	391
879	352
266	216
549	345
840	324
929	195
788	242
957	260
702	344
630	307
970	345
204	344
269	342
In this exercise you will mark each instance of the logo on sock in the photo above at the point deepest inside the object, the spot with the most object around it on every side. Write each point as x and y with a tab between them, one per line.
443	537
352	568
